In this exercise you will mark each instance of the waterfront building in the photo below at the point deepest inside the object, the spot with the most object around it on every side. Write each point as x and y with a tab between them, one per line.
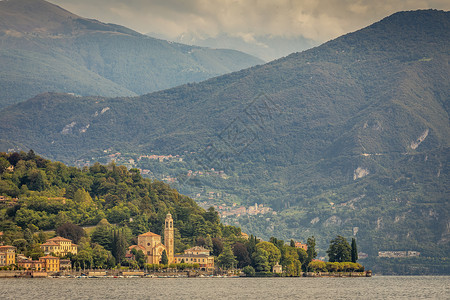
29	264
7	255
65	264
150	243
59	246
197	255
277	269
50	263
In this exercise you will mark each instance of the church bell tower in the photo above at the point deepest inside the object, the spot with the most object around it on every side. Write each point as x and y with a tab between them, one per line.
168	237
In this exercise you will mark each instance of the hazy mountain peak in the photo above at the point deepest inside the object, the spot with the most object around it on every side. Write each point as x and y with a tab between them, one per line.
39	17
46	48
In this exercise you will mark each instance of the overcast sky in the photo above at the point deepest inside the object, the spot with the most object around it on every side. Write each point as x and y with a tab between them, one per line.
318	20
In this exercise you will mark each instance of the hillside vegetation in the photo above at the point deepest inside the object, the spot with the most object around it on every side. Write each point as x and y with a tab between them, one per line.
41	195
46	48
350	137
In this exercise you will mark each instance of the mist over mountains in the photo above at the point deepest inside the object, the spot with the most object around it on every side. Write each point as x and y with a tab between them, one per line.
266	47
350	137
46	48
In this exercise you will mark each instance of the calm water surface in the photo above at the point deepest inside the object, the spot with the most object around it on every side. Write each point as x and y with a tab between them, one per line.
377	287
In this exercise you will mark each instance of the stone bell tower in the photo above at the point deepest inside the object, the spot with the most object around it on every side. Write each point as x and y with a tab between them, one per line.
168	237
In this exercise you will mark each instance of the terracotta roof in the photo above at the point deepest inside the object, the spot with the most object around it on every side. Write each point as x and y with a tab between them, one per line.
50	244
7	247
49	256
149	234
59	238
197	248
136	246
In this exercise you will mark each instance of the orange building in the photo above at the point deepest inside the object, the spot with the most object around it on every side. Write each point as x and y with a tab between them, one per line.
7	255
29	264
59	246
50	263
302	246
244	235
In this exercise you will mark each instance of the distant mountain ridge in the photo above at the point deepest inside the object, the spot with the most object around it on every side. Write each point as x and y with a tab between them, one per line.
44	48
351	137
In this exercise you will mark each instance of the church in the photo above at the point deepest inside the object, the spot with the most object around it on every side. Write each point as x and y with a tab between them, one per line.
150	243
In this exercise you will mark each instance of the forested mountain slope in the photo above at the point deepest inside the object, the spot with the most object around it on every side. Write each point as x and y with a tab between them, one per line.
46	48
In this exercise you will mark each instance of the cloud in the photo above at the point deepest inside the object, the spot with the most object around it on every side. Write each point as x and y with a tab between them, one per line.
318	20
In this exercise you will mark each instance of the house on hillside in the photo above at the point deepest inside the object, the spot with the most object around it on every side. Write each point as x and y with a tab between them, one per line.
59	246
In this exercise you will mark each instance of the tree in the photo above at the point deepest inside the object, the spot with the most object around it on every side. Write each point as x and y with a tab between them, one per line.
139	256
28	236
119	245
164	258
339	250
273	253
217	246
292	243
354	251
99	256
71	231
311	253
290	261
20	244
251	244
4	164
249	271
241	253
227	259
102	235
261	260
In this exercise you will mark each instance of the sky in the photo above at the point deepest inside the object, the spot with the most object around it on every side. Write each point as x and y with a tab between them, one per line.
314	21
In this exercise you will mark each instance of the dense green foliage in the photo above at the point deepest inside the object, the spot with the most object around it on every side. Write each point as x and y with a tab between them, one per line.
45	195
354	139
339	250
87	57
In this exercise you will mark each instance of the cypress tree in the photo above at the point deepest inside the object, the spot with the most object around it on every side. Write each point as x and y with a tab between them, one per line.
354	251
164	258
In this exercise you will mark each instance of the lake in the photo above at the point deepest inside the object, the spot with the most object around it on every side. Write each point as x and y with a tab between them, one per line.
377	287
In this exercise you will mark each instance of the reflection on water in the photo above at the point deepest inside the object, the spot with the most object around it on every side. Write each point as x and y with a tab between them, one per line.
377	287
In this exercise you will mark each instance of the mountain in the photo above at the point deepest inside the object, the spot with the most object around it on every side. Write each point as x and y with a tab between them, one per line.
46	48
351	137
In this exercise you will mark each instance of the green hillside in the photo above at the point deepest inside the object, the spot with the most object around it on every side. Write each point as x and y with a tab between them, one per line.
350	137
46	48
41	195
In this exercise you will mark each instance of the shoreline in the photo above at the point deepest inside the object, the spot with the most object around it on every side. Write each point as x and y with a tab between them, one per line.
185	274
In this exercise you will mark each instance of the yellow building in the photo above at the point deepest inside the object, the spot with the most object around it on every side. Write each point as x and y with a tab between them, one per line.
59	246
50	263
197	255
150	243
7	255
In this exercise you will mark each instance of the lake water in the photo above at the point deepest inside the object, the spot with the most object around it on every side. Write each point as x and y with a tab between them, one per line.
377	287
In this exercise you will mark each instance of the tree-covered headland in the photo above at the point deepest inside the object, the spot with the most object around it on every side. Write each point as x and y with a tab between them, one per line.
103	208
